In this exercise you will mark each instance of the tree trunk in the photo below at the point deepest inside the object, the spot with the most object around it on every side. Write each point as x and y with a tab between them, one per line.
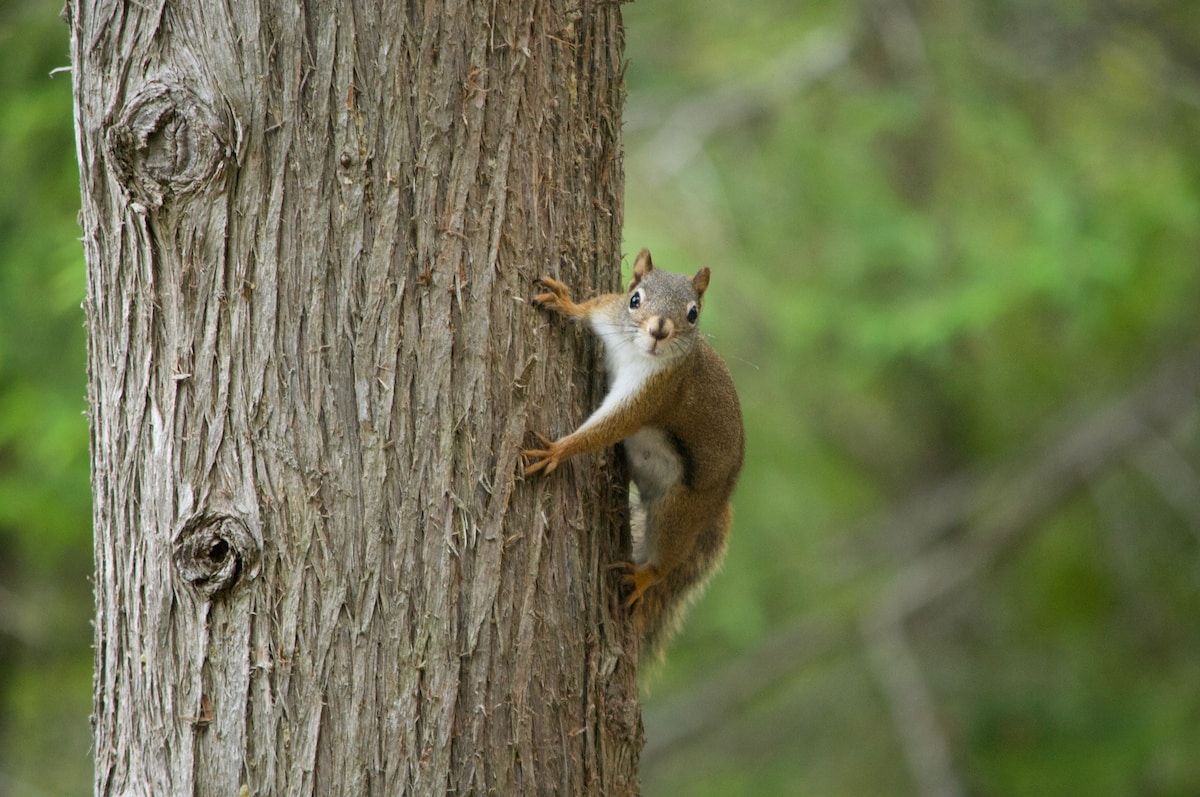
310	229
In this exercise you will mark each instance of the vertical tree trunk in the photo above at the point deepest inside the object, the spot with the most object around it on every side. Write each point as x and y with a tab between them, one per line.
309	230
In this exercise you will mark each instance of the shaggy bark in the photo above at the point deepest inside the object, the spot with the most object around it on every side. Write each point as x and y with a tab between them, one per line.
309	230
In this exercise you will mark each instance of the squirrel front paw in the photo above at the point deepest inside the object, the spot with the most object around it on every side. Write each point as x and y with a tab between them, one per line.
546	458
557	296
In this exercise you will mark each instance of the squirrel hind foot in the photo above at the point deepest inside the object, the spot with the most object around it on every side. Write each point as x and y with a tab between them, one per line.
637	579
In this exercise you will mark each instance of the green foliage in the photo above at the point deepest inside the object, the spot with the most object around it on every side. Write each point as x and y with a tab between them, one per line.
923	258
45	508
42	357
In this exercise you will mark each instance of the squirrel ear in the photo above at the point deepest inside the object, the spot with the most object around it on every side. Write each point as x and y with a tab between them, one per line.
641	267
700	281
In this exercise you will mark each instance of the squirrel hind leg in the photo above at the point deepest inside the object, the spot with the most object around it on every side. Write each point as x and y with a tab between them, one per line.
637	530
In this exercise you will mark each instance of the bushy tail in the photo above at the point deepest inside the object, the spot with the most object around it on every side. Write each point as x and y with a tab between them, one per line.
664	605
659	615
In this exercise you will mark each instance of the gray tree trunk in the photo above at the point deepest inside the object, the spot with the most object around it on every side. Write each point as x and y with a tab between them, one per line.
309	230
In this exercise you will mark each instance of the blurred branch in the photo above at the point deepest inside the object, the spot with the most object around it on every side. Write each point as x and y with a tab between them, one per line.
914	711
675	723
686	129
1034	491
905	529
1175	479
1000	512
900	33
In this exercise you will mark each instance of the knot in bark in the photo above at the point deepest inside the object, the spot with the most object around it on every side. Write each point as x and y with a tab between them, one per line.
215	552
167	141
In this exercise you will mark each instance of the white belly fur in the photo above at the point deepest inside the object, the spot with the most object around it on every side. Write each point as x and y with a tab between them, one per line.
653	463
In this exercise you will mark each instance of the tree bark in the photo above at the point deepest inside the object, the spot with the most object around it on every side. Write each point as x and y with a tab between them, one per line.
310	229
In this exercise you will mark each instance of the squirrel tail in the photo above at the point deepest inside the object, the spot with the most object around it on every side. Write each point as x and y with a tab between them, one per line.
664	605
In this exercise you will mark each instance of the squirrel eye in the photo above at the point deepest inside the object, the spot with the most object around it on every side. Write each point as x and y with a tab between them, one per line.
635	301
693	314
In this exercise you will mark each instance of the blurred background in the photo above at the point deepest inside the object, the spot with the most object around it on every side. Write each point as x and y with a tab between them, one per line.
956	273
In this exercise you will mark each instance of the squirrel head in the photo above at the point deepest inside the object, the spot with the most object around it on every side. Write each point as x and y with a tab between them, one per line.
665	307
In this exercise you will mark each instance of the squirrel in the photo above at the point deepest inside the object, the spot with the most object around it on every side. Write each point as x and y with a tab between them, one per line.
673	403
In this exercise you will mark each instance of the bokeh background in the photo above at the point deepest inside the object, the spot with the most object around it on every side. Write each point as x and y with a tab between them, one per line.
956	272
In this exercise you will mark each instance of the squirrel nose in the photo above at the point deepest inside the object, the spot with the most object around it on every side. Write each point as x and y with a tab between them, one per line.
659	329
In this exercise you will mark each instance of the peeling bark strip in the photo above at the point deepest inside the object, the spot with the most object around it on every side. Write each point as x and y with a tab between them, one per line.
310	230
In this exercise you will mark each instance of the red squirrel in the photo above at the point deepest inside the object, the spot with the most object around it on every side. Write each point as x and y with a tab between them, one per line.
672	402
